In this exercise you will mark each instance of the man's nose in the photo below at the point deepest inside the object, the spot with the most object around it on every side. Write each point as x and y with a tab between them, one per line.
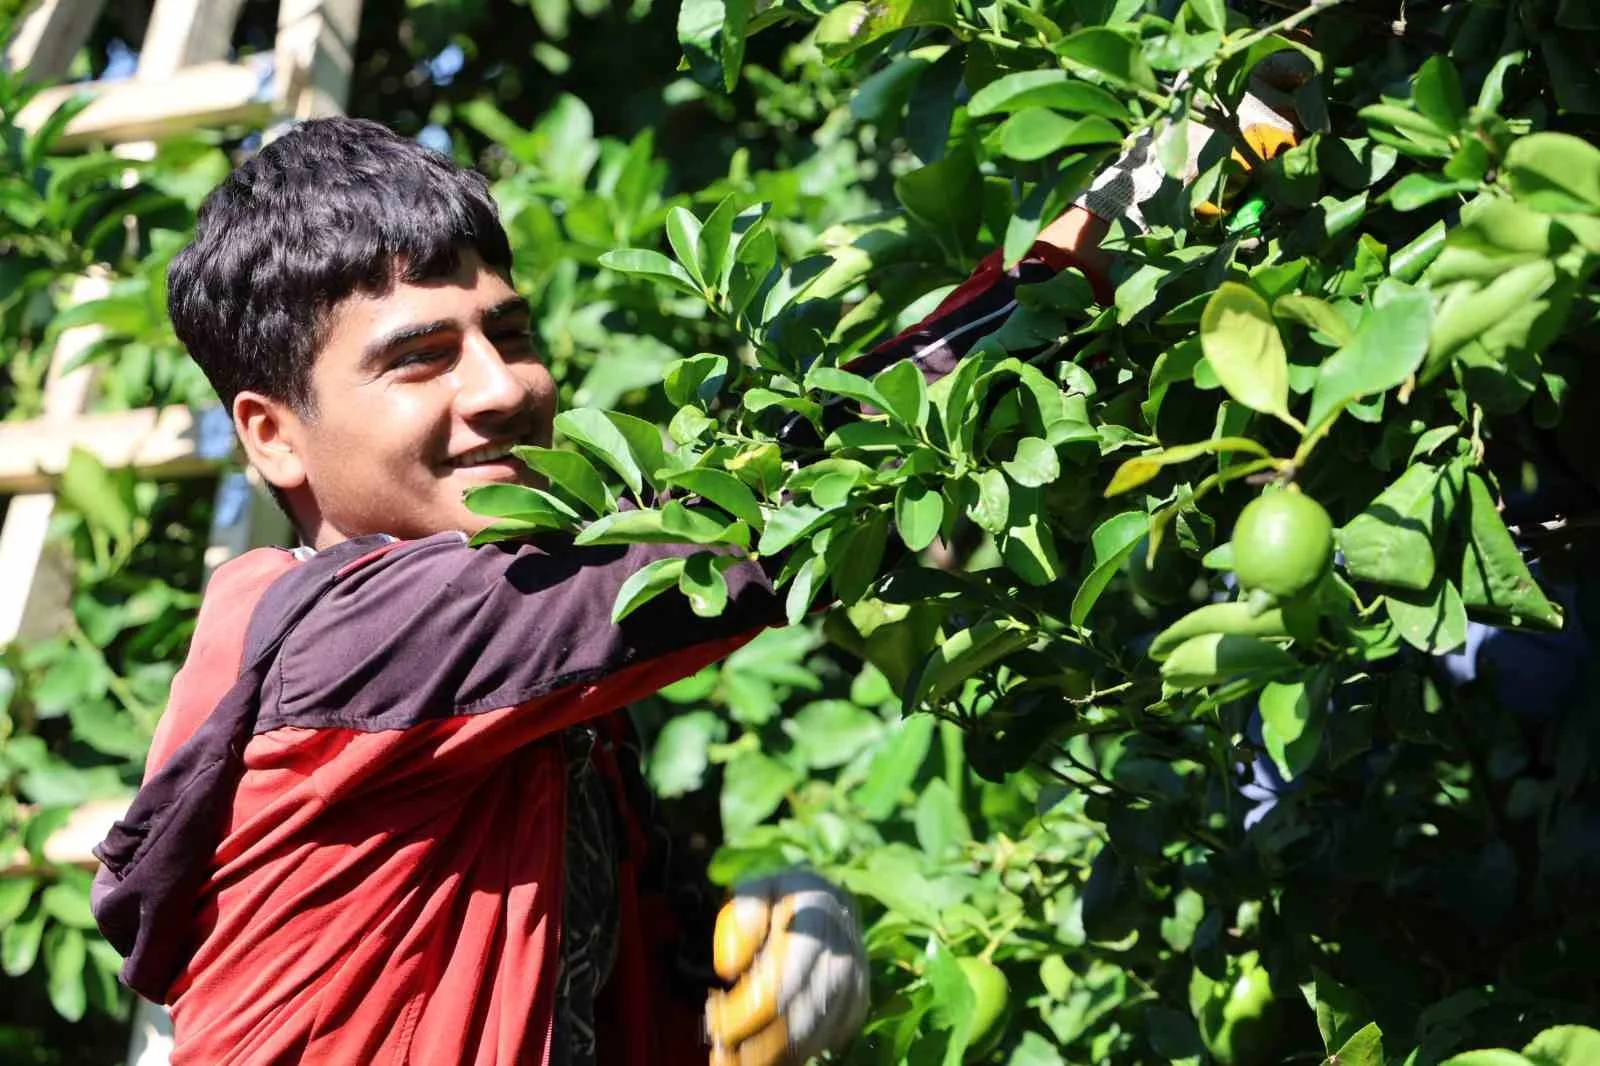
486	384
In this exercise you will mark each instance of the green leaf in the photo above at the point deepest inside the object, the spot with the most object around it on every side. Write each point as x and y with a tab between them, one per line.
843	383
680	755
788	524
1390	342
954	1001
1027	546
644	263
19	941
1437	92
754	786
696	526
904	393
1433	620
1365	1048
597	434
105	500
1141	468
855	556
1212	13
1409	262
963	654
1036	132
645	585
1315	314
1494	578
853	25
946	197
1420	133
1055	89
696	379
644	443
68	903
65	954
1391	540
722	489
683	233
1111	54
571	473
1341	1011
1109	547
830	733
642	526
1213	658
1291	724
918	513
1555	172
941	825
15	892
1564	1045
701	581
1244	349
1035	464
993	506
1419	190
527	505
894	767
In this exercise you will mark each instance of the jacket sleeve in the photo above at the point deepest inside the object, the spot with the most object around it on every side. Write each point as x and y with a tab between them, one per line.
976	308
434	629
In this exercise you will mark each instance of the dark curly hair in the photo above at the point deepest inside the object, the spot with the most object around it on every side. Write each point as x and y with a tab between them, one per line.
333	207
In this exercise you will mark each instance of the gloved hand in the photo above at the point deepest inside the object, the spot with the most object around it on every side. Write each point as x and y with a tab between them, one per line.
1266	121
791	946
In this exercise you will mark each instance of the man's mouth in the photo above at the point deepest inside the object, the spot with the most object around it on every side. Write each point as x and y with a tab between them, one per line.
487	453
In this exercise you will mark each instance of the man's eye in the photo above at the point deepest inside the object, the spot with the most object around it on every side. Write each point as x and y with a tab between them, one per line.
513	340
420	359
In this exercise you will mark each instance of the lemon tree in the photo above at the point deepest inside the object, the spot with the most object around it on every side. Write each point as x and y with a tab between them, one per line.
1210	595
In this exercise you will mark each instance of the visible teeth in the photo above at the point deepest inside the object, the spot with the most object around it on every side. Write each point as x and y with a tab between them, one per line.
487	454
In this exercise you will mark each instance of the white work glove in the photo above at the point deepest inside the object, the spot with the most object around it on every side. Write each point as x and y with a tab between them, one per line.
1266	121
791	946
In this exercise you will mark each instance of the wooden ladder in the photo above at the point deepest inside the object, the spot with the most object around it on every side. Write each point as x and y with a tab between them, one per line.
184	82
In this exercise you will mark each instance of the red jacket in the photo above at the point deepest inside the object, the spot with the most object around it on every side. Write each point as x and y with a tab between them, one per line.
348	845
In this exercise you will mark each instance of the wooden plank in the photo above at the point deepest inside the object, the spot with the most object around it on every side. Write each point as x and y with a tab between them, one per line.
49	36
205	95
165	443
35	589
315	55
73	844
183	33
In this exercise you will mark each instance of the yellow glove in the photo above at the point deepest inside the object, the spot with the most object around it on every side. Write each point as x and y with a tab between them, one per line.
791	947
1267	123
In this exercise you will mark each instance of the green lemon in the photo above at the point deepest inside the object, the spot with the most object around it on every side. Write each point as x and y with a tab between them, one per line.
991	994
1282	543
1239	1017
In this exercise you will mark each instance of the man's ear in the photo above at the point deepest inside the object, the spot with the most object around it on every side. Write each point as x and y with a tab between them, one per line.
271	431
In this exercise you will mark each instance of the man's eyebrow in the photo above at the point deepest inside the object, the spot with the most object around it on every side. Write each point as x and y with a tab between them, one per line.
510	307
380	347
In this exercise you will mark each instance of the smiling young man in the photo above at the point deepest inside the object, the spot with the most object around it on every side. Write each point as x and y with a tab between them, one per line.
392	814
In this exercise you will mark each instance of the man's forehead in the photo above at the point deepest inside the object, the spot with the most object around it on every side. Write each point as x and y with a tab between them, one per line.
470	295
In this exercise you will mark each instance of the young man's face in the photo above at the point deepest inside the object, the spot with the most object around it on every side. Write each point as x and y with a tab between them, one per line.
418	395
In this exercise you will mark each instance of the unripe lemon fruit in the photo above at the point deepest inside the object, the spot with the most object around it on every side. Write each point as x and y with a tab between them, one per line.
1282	543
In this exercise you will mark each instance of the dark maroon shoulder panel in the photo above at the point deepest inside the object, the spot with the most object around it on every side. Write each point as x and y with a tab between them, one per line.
434	628
155	859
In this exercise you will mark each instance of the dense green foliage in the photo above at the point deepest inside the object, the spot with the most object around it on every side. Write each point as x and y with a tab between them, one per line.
1042	727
